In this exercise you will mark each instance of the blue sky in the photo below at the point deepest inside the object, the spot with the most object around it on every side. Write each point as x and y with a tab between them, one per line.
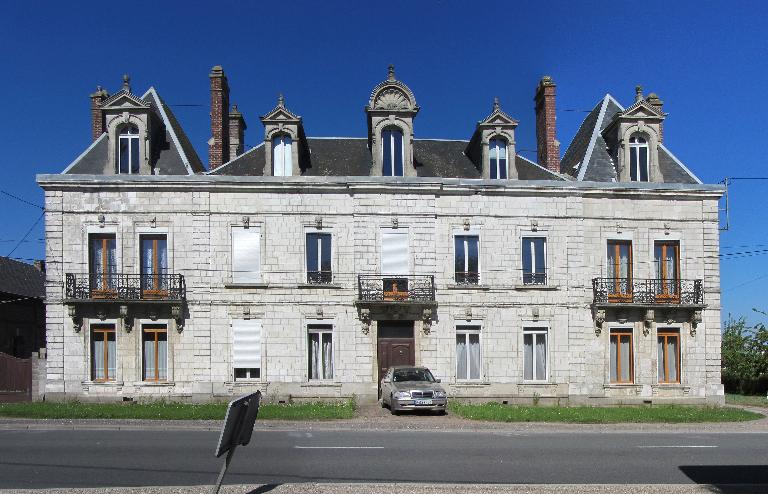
707	61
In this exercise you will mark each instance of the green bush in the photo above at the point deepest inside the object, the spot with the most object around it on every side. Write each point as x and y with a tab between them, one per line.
745	358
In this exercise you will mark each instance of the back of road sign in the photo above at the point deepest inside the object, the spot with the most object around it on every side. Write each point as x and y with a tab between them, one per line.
238	424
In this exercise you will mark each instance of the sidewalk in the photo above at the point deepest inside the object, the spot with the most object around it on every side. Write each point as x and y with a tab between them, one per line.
373	417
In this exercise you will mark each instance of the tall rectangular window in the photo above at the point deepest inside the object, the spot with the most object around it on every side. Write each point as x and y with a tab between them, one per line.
319	258
282	159
619	270
467	259
666	257
128	150
246	254
246	348
497	155
534	261
669	356
155	357
622	361
154	264
468	352
394	262
320	346
102	265
392	153
103	352
535	354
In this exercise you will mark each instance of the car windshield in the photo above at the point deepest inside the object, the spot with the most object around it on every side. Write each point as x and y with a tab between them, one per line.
401	375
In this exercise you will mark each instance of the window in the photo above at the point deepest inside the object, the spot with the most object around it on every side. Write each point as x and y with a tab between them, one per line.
392	149
155	358
669	356
246	348
282	160
534	261
154	265
320	348
102	265
103	353
497	152
535	354
467	352
319	258
128	150
666	257
619	270
246	254
467	259
394	261
622	361
638	159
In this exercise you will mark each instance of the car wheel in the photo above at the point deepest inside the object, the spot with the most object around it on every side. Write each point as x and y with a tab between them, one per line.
392	408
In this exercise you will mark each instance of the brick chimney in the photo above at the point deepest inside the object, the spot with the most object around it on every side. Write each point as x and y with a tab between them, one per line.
236	132
547	146
218	145
97	117
654	100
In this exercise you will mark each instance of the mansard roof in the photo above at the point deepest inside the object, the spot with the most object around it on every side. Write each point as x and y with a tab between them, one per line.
587	158
350	156
175	155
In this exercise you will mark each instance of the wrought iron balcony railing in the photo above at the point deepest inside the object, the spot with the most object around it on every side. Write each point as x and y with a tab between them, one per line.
125	287
647	291
534	278
467	278
395	288
319	277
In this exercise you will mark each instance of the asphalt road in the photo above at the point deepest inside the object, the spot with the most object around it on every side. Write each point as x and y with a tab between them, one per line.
101	458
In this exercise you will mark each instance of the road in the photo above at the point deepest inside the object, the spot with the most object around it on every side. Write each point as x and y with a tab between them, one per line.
100	458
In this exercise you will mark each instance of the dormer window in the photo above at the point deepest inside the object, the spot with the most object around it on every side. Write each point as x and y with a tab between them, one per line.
392	149
282	159
128	150
497	153
638	158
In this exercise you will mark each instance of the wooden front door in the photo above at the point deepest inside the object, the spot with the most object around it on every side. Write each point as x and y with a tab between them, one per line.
395	345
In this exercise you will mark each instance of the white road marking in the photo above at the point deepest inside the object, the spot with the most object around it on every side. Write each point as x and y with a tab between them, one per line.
339	447
678	446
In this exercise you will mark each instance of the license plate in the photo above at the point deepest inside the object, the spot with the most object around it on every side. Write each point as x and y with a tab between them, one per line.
422	402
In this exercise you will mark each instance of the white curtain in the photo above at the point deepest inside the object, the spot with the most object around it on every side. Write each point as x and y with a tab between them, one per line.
626	353
614	358
474	356
149	356
314	355
660	357
162	356
672	358
461	356
111	356
541	356
528	357
98	356
327	356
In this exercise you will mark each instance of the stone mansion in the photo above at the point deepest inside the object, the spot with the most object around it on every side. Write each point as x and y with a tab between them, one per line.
306	266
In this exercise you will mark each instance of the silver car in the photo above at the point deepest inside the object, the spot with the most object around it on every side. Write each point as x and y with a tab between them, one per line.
412	388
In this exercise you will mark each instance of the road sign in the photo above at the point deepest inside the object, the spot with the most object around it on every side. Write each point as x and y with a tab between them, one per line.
236	430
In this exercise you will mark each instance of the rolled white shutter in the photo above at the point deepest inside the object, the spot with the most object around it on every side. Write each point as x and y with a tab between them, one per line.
246	254
246	344
394	253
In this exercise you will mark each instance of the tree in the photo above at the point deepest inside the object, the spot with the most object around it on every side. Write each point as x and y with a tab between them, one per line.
745	357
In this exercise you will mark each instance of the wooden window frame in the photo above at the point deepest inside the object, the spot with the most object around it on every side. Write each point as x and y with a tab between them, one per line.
617	295
105	330
466	330
156	292
156	329
667	334
665	295
619	333
106	292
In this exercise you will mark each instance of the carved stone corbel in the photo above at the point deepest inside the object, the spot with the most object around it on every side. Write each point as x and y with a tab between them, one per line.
696	318
365	320
177	313
77	320
648	322
127	319
599	321
426	318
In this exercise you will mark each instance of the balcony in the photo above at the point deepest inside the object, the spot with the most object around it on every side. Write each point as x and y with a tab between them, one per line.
407	289
628	292
120	287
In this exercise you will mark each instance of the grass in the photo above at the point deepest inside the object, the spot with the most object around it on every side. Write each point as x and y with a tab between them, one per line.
497	412
755	400
172	411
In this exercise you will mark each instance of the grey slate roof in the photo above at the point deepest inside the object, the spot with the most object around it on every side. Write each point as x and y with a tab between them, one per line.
21	279
587	159
349	156
173	155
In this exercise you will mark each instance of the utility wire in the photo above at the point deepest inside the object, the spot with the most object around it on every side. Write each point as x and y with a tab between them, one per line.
20	199
27	234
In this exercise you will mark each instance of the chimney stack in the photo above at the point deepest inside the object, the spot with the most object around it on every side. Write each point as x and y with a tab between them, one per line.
547	146
97	118
218	145
654	100
236	132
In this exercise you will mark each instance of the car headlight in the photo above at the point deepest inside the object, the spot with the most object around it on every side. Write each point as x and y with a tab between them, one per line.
402	395
440	394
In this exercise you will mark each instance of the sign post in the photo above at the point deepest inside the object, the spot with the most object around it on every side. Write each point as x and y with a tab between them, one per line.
236	430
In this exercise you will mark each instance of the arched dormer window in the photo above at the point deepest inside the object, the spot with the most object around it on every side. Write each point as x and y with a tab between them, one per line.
638	158
128	150
282	157
497	154
392	152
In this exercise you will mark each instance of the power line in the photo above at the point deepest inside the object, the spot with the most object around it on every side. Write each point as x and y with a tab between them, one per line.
27	234
20	199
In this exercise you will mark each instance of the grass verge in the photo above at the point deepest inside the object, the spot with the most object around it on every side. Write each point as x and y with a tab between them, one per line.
172	411
496	412
748	400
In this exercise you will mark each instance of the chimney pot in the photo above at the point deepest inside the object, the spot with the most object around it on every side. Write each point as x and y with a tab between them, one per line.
547	146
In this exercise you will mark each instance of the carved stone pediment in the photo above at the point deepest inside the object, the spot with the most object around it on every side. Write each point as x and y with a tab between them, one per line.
124	100
392	99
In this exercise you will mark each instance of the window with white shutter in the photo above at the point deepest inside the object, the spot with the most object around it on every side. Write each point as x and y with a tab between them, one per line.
246	348
394	253
246	255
